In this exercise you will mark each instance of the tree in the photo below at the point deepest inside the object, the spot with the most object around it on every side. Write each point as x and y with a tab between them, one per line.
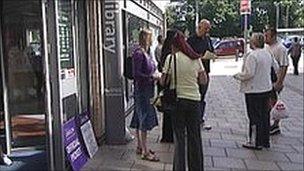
226	19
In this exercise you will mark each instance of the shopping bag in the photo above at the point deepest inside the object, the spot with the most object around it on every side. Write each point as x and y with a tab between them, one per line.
279	111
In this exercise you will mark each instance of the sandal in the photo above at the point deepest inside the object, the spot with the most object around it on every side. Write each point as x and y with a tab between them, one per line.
139	151
149	157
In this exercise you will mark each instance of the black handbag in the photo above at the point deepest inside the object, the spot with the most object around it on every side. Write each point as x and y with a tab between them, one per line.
169	97
128	68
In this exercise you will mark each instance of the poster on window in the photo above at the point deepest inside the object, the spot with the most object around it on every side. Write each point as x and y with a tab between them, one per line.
66	49
74	148
65	33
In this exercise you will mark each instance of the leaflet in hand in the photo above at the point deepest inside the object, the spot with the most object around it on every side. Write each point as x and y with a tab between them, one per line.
209	55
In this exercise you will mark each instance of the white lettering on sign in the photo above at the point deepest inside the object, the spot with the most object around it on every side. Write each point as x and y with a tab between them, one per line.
69	133
72	146
75	154
111	8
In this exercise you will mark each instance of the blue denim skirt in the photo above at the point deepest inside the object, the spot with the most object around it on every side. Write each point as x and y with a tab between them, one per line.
144	117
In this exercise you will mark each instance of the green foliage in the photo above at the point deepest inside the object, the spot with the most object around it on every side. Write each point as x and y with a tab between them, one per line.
226	19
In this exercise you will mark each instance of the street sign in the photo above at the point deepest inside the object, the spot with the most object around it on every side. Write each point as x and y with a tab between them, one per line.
245	7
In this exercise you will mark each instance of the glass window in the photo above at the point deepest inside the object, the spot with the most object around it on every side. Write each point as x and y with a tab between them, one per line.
223	45
67	58
65	34
23	58
133	26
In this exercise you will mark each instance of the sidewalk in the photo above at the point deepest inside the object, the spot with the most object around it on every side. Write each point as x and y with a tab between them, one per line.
222	145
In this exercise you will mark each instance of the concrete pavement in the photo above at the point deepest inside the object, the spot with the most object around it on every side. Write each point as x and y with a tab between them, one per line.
222	145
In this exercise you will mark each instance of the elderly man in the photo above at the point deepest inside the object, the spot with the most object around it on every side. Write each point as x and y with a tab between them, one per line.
256	85
279	52
201	42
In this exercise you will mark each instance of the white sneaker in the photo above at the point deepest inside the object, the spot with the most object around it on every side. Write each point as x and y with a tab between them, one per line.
5	160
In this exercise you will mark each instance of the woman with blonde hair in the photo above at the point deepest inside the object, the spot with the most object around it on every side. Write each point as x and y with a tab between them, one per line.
256	85
144	118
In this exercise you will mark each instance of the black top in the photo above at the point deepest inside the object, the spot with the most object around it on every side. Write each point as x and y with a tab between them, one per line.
200	45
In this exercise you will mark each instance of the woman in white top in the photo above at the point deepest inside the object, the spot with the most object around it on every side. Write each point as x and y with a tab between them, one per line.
186	117
256	84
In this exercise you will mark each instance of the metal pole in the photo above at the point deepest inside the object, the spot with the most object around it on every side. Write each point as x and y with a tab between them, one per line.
196	13
245	32
277	15
287	18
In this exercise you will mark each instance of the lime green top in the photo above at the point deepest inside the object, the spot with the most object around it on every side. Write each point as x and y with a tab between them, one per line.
187	76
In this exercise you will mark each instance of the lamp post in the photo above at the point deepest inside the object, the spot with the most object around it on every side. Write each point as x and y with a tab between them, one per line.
277	4
245	10
196	14
287	16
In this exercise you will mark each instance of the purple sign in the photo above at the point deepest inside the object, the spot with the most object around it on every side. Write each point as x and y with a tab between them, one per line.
73	146
83	118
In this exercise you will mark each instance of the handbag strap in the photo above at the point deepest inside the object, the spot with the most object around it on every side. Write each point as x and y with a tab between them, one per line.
175	77
168	69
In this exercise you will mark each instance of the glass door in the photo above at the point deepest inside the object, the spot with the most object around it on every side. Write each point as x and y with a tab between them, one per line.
23	74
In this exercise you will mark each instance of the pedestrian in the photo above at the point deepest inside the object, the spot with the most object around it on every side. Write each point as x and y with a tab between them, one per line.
187	113
295	54
279	52
201	42
167	132
158	50
144	118
256	85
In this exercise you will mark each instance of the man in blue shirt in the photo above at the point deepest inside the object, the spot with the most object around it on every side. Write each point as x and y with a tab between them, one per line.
201	42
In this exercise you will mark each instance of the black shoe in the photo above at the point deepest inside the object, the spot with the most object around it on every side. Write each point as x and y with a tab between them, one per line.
266	145
166	140
252	146
274	130
296	72
206	127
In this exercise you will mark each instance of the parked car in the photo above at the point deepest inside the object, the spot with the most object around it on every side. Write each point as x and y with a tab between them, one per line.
215	40
230	47
287	41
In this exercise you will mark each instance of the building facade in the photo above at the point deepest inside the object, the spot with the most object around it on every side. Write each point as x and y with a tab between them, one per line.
64	57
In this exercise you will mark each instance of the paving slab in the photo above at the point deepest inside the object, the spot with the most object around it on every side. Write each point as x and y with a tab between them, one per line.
295	157
290	166
222	145
261	165
224	162
266	155
212	151
241	153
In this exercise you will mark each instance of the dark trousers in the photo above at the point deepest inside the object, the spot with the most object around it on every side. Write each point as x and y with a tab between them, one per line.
203	90
295	62
259	120
167	131
186	118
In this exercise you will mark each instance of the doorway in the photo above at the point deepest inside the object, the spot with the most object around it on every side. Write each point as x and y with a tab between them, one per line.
23	76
